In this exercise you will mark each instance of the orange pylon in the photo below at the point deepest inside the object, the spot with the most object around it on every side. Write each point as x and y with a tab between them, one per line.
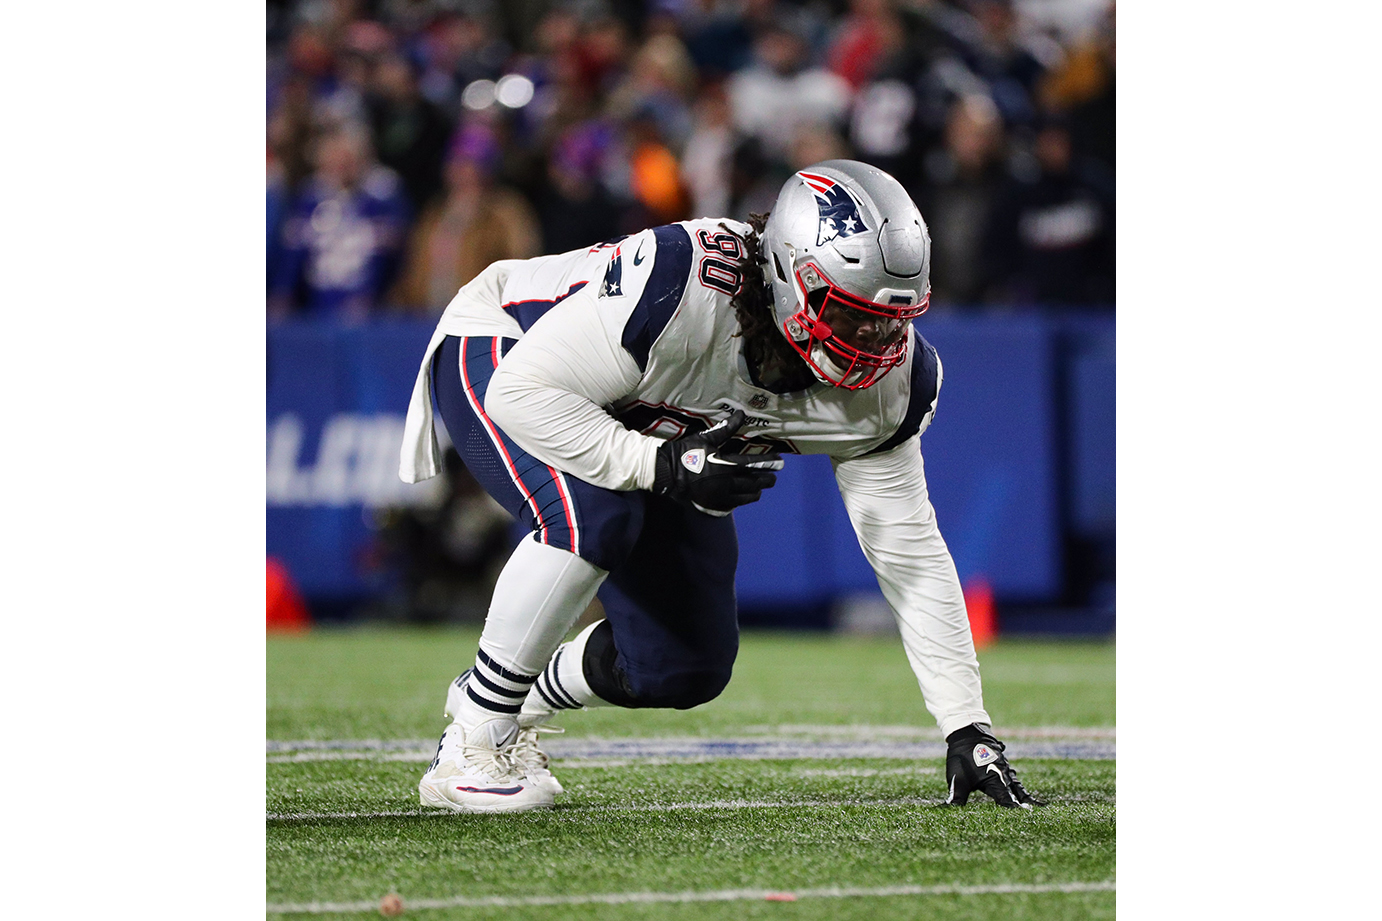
983	619
286	611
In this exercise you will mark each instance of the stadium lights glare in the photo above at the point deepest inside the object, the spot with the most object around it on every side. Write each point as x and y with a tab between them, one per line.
514	91
478	95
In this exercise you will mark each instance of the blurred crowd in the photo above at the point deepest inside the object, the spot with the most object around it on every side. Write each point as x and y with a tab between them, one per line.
413	142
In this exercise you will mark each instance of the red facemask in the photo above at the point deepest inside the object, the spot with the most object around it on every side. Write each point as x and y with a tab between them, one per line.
851	342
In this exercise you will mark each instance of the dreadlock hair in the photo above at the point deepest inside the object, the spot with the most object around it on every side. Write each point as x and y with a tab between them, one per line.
753	305
772	362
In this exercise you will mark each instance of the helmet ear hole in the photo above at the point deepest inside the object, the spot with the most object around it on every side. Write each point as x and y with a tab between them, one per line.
778	267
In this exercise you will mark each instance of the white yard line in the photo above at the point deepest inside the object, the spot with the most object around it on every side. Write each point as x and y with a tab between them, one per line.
418	812
858	742
651	807
719	895
759	733
928	733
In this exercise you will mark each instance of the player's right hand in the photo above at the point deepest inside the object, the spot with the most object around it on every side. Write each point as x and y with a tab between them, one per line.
691	471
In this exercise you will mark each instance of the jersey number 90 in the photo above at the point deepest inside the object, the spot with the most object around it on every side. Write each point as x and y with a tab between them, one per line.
718	272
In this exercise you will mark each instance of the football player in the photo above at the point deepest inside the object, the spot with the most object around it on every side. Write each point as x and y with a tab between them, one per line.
622	400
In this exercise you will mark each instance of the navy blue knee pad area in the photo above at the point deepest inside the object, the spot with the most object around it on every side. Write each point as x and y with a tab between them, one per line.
673	610
697	682
672	629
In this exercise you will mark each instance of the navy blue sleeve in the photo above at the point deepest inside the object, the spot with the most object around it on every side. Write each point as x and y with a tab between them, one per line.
662	293
922	399
529	312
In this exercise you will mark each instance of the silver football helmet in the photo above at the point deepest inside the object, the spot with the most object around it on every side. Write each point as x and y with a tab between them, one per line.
849	262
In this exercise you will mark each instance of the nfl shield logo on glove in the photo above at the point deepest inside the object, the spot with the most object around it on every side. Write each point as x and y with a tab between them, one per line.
694	460
984	755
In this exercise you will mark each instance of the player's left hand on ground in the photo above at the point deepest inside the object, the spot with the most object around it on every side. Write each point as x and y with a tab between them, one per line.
975	761
692	470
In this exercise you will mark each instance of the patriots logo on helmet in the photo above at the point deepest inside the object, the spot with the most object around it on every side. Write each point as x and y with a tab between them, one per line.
839	212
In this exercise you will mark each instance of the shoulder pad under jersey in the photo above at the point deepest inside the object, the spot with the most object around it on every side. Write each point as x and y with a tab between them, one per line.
922	396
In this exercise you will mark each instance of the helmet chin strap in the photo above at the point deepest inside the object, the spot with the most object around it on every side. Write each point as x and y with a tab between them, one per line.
821	358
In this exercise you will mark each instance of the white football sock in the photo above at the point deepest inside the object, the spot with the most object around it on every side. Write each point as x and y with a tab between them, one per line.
562	684
540	594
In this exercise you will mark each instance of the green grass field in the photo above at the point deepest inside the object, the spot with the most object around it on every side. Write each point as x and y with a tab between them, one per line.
800	793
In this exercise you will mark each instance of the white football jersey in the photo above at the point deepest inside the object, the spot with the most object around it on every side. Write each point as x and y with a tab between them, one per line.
663	297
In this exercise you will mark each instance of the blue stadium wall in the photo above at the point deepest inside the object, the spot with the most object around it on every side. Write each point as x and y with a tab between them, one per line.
1019	459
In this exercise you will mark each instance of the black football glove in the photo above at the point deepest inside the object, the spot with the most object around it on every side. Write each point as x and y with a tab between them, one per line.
975	762
690	471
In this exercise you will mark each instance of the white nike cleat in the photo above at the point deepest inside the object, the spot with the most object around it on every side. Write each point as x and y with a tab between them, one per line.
475	770
532	760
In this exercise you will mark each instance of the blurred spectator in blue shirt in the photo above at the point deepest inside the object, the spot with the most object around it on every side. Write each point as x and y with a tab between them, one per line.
342	236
